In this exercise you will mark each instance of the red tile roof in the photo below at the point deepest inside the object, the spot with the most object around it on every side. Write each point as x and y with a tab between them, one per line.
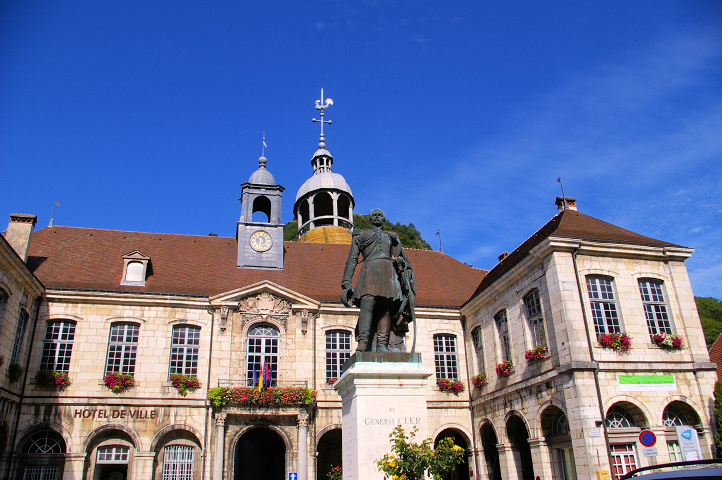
571	224
92	259
715	355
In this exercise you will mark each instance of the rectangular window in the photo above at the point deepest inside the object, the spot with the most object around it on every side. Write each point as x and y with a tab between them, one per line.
655	308
41	472
113	454
338	350
603	304
479	347
503	327
675	454
19	336
58	346
534	316
185	345
445	357
624	460
122	348
178	462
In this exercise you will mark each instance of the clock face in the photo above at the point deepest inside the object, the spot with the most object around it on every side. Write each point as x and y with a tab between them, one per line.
260	241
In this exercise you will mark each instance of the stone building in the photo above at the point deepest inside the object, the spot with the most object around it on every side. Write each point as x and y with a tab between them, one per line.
253	315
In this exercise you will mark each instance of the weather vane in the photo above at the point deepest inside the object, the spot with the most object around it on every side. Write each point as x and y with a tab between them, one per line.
263	149
321	106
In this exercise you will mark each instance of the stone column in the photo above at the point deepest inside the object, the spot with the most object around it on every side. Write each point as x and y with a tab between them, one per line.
507	463
541	458
302	446
311	211
220	446
334	202
74	463
142	465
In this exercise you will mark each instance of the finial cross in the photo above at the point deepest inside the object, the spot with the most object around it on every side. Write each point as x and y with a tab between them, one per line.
321	106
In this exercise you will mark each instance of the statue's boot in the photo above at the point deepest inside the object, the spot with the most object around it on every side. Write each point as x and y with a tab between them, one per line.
382	333
364	327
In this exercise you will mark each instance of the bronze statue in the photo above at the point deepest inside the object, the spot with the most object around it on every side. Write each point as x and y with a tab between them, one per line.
385	290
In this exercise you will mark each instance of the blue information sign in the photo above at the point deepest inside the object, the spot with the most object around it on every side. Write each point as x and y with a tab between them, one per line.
292	476
647	438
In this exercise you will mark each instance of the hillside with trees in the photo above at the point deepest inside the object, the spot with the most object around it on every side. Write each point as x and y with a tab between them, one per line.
408	234
710	314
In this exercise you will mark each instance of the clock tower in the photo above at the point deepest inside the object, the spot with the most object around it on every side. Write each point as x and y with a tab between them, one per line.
260	231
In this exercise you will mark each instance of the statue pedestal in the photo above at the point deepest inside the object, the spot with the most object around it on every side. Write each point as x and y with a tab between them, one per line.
379	391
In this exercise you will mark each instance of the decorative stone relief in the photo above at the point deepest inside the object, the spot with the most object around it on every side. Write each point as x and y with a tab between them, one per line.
264	306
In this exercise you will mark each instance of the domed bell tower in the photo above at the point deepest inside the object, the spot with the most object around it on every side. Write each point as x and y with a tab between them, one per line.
260	231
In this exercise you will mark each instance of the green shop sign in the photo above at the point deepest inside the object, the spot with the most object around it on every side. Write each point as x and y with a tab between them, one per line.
646	383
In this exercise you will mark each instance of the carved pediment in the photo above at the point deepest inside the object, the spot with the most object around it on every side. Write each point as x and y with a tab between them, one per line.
264	307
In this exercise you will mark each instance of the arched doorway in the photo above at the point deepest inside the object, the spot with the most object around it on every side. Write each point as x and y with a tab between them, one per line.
462	470
519	437
329	453
491	453
260	453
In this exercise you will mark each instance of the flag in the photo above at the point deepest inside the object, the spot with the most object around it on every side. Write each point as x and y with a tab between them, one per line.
260	380
255	374
268	375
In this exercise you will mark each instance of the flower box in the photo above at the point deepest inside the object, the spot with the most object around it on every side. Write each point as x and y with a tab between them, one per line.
615	341
118	382
52	379
668	341
15	371
504	369
448	385
479	380
536	354
331	381
184	383
220	396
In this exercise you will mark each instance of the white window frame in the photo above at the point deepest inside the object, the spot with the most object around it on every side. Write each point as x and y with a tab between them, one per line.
112	454
122	348
533	307
58	346
603	303
338	350
446	361
262	345
656	310
623	457
184	350
502	326
178	462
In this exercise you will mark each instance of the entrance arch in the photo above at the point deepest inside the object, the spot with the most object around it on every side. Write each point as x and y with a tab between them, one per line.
329	453
260	453
519	437
491	453
462	470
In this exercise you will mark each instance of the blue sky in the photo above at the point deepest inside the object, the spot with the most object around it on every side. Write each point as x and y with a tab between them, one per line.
455	116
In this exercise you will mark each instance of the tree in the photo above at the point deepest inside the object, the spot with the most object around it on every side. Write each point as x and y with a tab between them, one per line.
410	461
290	231
718	418
710	315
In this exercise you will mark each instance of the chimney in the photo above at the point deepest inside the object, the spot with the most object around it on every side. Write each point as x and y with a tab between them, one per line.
19	231
503	256
571	204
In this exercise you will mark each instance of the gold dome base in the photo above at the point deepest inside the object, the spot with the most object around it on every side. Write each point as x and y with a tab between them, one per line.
338	235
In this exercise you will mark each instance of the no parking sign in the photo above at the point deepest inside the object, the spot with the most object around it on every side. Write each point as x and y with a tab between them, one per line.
647	438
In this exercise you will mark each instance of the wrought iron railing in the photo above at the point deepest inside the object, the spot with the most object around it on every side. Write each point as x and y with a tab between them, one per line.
231	383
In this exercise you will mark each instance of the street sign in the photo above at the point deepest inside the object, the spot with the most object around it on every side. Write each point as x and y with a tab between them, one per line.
650	451
292	476
647	438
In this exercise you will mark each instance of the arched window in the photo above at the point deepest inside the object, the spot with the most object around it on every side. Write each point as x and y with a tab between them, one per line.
603	304
338	350
532	303
619	417
42	456
122	348
655	307
58	346
560	424
261	210
503	328
262	363
134	272
478	342
3	303
185	345
445	358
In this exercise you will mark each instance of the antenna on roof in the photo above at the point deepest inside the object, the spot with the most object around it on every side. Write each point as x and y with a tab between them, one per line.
441	249
52	218
564	198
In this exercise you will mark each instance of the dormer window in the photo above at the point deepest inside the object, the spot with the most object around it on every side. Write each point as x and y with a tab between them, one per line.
135	268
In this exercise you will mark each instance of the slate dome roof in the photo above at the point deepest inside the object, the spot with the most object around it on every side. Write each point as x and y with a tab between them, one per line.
324	181
262	176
